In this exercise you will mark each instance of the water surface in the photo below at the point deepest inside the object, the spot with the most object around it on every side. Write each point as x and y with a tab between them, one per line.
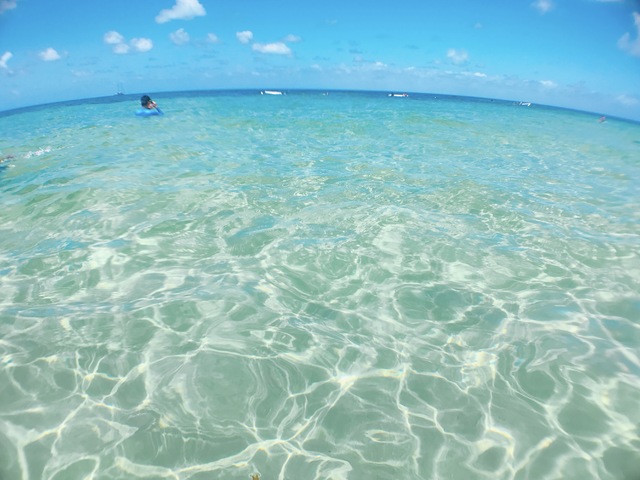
309	286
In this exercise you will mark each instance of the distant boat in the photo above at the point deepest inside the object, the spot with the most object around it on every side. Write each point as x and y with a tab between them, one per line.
271	92
398	94
525	104
120	90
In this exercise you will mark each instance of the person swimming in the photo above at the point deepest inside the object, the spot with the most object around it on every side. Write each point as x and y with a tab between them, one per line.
148	107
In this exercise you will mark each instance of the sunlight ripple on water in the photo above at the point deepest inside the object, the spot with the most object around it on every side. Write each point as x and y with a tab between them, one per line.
343	286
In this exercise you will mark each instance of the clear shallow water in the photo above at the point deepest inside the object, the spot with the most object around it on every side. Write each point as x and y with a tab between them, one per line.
336	287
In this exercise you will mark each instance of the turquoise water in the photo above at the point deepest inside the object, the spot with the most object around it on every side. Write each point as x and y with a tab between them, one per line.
308	286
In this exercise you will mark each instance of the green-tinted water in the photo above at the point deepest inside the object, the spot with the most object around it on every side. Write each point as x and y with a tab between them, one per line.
307	286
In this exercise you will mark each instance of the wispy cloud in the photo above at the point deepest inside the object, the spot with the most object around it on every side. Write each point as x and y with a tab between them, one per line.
179	37
6	56
276	48
244	37
457	56
7	5
49	55
213	38
81	73
628	44
543	6
627	101
182	10
291	38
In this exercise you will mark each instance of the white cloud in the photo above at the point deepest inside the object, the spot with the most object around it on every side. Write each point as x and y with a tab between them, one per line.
141	44
213	38
627	101
291	38
49	55
457	56
363	66
543	6
277	48
548	84
7	5
113	38
182	10
244	37
117	40
179	37
626	43
6	56
121	48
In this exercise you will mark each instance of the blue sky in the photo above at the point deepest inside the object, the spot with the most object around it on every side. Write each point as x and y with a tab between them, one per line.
582	54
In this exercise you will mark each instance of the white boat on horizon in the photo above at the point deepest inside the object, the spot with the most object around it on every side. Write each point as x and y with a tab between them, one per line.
271	92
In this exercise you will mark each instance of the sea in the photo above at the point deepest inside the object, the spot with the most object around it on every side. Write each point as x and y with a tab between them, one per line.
318	286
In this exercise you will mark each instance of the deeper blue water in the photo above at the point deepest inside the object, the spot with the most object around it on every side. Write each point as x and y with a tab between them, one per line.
318	286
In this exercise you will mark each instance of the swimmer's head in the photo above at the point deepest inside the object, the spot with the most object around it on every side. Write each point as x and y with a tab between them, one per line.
144	101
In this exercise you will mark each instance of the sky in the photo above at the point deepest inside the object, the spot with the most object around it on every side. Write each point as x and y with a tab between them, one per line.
581	54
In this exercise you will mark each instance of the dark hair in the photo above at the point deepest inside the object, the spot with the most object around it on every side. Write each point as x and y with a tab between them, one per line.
145	100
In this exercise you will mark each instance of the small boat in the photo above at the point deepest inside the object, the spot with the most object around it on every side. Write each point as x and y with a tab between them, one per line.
271	92
525	104
398	94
